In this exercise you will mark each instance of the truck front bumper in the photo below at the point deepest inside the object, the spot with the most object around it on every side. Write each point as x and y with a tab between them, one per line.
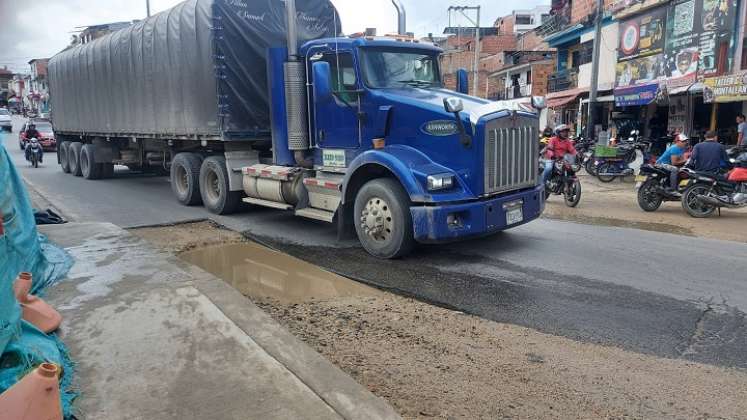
443	223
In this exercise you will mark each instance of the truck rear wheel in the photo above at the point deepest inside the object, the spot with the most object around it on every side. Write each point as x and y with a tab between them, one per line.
73	158
214	187
185	174
64	157
88	166
382	219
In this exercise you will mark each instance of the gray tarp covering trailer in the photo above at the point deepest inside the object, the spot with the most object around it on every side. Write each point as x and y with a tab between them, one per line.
197	70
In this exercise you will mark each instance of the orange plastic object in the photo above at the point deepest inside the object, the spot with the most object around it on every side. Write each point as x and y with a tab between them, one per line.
35	396
36	311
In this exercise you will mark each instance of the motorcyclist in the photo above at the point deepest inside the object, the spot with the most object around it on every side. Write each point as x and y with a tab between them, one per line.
558	146
709	155
32	133
673	158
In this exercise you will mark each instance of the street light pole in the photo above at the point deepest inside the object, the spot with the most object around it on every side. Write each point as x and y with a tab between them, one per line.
476	69
147	7
594	82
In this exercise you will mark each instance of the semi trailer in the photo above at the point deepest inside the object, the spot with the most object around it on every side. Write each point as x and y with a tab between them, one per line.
264	102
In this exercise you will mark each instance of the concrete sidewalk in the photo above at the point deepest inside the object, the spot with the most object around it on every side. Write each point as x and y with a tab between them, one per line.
155	338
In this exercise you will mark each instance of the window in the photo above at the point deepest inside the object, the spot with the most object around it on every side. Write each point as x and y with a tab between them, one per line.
342	71
582	55
382	68
529	77
523	19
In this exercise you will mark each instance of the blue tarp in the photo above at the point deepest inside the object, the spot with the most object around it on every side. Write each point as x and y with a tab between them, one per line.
22	346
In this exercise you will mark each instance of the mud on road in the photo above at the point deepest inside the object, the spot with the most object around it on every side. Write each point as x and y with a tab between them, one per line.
432	362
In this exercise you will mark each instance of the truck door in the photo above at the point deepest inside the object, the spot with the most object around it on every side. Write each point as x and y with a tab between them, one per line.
336	122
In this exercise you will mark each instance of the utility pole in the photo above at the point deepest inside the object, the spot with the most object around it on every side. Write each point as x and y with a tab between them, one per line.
147	7
476	23
595	70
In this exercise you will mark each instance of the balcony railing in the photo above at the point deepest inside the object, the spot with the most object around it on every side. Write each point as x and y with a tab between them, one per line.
562	80
514	92
554	23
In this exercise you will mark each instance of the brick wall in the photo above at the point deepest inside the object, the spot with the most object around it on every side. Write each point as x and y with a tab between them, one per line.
530	41
580	9
506	24
496	43
539	78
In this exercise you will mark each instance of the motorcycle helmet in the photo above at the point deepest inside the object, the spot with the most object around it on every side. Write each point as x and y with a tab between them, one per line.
562	127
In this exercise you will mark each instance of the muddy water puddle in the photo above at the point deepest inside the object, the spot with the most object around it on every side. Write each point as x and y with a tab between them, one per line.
259	272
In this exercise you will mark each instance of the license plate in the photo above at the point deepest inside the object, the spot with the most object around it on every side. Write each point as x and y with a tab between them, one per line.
641	178
514	215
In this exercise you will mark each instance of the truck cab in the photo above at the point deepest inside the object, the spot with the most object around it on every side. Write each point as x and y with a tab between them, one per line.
398	158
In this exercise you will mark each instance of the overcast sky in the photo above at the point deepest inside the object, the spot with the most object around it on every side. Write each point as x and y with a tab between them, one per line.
40	28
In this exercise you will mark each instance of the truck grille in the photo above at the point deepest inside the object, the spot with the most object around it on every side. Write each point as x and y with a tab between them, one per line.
511	154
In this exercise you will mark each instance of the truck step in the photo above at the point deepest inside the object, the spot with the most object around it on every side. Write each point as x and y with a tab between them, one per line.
267	203
316	214
329	184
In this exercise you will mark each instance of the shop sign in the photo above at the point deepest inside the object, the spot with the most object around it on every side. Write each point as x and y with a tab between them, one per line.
642	35
636	95
731	88
639	70
678	114
696	31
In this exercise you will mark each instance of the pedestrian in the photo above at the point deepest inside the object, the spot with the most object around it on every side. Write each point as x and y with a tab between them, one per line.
709	155
741	140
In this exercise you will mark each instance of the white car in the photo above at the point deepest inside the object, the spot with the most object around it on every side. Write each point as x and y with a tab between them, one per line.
6	123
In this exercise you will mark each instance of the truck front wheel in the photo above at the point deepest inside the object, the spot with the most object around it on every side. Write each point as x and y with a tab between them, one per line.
382	219
214	187
185	173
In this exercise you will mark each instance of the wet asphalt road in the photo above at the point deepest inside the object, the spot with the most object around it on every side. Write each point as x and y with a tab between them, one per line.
650	292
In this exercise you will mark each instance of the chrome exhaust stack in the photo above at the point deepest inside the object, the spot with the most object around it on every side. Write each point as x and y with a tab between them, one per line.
401	17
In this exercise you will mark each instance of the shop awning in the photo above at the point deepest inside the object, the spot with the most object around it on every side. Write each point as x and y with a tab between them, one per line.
694	88
636	95
605	98
558	99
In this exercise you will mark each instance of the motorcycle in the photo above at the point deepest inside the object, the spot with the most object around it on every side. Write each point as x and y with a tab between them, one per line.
613	162
652	183
34	152
707	191
564	181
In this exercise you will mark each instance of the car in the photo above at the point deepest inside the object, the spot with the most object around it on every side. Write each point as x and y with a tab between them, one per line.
6	122
44	127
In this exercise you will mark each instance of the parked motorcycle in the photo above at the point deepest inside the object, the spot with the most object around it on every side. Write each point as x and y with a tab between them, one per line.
652	183
707	192
564	181
34	152
614	162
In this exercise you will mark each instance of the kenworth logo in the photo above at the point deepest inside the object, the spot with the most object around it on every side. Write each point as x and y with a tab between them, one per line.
440	128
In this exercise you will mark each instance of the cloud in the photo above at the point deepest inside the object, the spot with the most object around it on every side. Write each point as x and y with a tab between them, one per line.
41	28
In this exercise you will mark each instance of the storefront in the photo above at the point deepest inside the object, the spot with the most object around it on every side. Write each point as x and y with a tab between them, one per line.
727	97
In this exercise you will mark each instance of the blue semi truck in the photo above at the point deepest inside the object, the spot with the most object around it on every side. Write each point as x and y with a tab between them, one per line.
241	102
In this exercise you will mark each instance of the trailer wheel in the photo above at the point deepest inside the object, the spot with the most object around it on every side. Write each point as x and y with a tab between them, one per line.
214	187
382	219
64	157
88	166
73	158
185	174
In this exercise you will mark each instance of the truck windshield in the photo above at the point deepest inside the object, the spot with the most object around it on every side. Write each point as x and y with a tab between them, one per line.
393	69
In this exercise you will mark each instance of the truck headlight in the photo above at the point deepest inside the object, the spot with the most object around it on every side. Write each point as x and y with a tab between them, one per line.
440	182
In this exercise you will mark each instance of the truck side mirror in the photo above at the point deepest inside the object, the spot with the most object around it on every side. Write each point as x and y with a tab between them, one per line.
322	82
453	105
462	82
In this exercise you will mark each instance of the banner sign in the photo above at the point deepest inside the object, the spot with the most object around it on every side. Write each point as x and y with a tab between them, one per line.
697	30
642	35
636	95
639	70
725	88
623	8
